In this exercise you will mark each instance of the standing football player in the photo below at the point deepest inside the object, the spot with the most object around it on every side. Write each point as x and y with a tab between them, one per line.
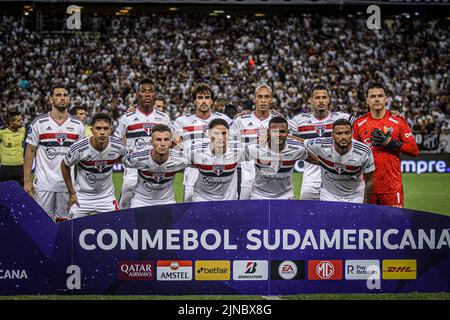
316	124
275	161
388	137
93	158
252	129
216	161
157	168
344	161
135	128
50	137
193	128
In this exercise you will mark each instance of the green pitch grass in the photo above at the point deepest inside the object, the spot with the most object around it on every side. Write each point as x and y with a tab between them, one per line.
425	192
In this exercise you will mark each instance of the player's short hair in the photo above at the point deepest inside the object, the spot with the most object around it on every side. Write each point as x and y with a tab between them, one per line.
74	110
202	88
144	81
218	122
375	85
264	85
342	122
278	119
160	128
101	117
319	87
160	97
58	86
11	116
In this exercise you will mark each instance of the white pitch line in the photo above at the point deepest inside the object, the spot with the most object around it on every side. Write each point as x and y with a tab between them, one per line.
272	297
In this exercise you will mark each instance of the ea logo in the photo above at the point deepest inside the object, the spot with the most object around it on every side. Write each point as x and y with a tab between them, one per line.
287	270
325	270
139	143
51	153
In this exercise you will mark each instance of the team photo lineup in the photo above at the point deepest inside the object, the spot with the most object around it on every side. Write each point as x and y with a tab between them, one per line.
349	126
253	153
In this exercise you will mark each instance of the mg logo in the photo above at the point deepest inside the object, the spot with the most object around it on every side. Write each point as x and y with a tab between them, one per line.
325	270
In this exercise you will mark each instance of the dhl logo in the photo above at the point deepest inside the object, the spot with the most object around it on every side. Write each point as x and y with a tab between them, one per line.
399	269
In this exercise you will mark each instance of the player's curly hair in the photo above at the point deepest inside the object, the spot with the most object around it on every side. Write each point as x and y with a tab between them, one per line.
202	88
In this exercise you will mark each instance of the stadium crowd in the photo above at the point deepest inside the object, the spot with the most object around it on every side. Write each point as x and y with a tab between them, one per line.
411	56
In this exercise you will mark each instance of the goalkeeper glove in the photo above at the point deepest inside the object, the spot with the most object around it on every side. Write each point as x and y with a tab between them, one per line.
379	138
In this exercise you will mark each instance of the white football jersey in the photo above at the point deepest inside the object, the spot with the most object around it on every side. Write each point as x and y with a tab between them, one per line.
193	128
217	178
306	126
155	181
93	168
341	175
136	127
52	140
249	128
273	178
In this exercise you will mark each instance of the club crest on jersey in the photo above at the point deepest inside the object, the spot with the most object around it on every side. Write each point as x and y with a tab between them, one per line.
205	128
100	165
61	137
339	167
218	169
320	129
158	176
148	128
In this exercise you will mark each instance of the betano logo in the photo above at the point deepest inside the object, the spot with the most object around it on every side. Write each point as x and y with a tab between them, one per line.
399	269
207	270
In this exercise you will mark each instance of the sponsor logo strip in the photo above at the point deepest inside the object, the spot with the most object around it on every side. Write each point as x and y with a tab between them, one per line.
287	270
325	270
136	270
207	270
250	270
362	269
174	270
399	269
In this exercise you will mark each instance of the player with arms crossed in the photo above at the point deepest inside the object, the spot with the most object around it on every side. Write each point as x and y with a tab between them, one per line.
50	137
135	128
157	168
93	158
193	128
388	136
317	124
343	162
252	129
275	161
216	160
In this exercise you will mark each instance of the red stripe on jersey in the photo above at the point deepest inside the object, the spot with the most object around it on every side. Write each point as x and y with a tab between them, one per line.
150	173
210	166
313	127
193	128
93	162
44	136
249	131
138	126
331	164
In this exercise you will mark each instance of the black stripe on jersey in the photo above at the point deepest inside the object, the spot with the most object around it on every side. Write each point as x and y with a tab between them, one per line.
151	180
280	170
212	174
73	119
95	170
362	147
345	173
56	144
131	135
326	134
79	144
139	154
39	118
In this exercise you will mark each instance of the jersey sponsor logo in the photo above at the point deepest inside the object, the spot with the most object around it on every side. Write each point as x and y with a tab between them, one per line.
325	270
174	270
91	178
218	169
70	129
16	274
250	270
136	270
139	143
51	153
61	137
287	270
49	129
212	270
399	269
361	269
408	134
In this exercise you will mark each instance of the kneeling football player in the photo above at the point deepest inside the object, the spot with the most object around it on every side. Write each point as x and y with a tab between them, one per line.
93	158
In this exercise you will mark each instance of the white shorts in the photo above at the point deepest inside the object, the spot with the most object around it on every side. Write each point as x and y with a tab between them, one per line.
310	191
328	196
190	176
54	203
136	202
247	173
130	181
90	206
